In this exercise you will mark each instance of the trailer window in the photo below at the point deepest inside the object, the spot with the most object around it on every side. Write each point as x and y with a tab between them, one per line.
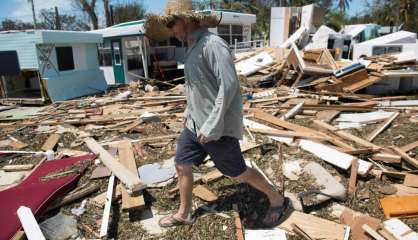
65	58
105	54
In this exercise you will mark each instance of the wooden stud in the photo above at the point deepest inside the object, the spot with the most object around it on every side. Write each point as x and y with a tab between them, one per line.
126	157
353	176
406	157
382	126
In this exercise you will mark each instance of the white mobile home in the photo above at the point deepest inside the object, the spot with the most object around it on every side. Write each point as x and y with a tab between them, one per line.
41	64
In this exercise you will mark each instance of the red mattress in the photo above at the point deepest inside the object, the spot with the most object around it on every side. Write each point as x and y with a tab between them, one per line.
35	193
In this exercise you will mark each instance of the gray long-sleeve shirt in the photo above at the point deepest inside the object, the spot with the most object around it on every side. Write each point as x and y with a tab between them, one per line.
214	105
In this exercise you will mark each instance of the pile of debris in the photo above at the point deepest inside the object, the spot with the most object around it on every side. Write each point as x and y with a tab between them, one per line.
347	161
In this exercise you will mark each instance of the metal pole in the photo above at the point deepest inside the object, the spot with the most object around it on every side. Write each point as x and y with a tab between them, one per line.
33	13
112	20
57	19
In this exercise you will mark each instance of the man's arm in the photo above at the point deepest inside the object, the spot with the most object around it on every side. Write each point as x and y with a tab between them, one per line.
219	59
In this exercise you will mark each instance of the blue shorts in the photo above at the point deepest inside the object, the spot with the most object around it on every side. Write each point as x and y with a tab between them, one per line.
225	153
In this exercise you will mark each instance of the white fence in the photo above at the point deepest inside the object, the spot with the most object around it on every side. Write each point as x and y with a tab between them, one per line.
248	46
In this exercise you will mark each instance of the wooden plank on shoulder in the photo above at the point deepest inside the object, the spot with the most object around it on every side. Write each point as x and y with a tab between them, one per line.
126	157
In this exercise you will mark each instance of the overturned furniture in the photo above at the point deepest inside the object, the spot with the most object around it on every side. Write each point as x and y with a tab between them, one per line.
42	65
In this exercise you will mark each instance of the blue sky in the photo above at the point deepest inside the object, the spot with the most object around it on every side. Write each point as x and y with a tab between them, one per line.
21	10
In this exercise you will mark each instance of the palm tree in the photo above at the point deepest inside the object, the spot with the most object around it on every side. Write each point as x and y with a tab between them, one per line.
343	4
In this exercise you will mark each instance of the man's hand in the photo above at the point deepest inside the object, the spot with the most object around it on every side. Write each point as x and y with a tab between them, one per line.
202	139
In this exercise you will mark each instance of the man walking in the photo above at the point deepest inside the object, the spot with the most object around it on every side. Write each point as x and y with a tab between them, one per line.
213	118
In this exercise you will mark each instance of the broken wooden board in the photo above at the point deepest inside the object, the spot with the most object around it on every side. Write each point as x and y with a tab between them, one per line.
129	179
205	194
211	176
372	232
333	156
400	206
406	157
411	180
346	135
409	147
16	168
327	115
355	220
381	127
16	144
353	176
239	230
100	199
126	157
387	158
285	133
51	142
315	227
362	84
287	125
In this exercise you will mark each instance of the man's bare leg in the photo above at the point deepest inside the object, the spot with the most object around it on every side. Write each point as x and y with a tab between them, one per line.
256	180
185	183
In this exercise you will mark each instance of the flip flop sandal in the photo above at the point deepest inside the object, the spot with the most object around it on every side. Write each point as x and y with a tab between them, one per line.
283	211
172	221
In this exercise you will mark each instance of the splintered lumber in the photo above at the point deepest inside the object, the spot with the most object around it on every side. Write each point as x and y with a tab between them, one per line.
327	115
292	112
72	196
372	232
346	135
15	168
315	227
409	147
297	128
406	157
51	142
100	200
400	206
126	157
211	176
16	144
239	231
353	176
129	179
387	158
333	156
284	133
362	84
205	194
130	126
29	224
106	212
382	127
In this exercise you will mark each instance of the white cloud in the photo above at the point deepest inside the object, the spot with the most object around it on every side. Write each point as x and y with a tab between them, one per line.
23	10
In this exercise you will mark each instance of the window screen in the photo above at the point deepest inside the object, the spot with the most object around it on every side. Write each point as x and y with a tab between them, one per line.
65	58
